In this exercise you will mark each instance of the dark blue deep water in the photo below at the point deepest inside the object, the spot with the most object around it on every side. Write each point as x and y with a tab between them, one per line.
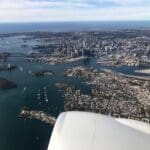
73	26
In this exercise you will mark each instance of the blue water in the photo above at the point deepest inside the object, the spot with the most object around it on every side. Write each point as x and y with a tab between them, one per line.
73	26
16	133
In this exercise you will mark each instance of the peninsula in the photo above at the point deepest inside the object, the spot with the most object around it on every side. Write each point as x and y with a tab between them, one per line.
43	73
38	115
113	94
5	84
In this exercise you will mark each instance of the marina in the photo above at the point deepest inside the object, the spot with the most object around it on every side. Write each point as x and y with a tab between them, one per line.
42	95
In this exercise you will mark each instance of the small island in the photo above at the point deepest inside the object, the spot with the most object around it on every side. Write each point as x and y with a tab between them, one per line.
4	56
43	73
37	115
7	67
61	86
5	84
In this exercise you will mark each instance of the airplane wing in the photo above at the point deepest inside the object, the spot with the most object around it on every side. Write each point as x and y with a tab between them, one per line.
90	131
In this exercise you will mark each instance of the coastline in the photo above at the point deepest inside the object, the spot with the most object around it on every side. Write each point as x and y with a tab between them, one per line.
144	71
76	59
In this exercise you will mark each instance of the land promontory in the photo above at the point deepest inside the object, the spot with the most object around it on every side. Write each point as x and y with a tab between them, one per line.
5	84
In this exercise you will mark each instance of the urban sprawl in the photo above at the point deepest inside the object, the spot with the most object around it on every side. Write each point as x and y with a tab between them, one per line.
112	93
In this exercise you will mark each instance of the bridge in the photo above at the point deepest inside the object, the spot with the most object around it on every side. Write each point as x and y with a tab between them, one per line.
18	54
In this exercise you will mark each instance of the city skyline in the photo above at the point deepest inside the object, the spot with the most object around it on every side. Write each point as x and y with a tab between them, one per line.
73	10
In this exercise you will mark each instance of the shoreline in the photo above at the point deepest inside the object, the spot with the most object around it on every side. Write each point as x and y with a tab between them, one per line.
143	71
127	75
37	115
76	59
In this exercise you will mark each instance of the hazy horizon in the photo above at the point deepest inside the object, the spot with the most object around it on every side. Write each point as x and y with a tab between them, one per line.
77	21
71	26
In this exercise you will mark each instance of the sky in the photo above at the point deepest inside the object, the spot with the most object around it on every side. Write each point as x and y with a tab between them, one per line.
73	10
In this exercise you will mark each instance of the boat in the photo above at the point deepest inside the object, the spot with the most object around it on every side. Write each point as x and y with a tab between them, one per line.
25	88
38	94
21	69
44	90
46	100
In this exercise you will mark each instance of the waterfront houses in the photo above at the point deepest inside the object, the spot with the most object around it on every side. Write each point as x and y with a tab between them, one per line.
112	94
